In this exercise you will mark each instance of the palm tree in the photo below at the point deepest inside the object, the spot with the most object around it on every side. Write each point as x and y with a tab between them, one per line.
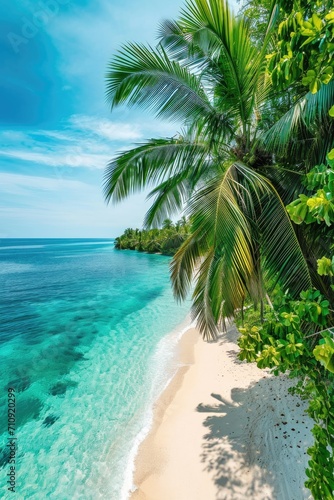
167	224
207	73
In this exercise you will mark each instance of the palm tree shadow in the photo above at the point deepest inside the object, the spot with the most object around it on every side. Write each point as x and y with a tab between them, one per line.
256	442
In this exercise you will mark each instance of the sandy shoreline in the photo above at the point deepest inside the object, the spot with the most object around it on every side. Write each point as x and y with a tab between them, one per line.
223	430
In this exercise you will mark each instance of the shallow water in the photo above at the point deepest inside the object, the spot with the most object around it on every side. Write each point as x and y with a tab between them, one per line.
84	342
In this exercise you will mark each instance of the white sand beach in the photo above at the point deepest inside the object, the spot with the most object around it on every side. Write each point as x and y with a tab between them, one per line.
224	430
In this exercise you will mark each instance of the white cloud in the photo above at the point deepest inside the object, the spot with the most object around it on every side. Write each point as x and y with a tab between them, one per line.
106	128
53	134
84	141
66	157
20	184
51	207
13	135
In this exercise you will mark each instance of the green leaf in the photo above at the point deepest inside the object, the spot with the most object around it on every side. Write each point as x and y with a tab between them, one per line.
324	267
316	21
314	86
330	155
330	16
324	353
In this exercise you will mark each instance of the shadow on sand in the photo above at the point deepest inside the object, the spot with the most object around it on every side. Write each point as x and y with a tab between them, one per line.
257	439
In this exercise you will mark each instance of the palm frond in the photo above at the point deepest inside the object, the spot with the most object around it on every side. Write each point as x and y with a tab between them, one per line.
233	63
170	197
318	104
149	78
150	163
184	264
304	132
287	182
241	231
280	249
206	290
290	125
218	223
282	255
178	44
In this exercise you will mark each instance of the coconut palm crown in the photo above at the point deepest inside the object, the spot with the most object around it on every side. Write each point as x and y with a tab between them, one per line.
207	74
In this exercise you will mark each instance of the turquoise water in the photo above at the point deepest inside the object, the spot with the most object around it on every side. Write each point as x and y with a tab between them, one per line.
85	342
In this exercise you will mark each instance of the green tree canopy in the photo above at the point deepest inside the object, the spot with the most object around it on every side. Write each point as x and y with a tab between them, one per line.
207	72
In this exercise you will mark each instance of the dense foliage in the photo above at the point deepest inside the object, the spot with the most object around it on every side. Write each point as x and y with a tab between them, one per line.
253	169
305	47
166	240
287	342
208	73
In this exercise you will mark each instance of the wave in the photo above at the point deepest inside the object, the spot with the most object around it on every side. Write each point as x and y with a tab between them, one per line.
10	268
56	242
106	242
21	247
164	354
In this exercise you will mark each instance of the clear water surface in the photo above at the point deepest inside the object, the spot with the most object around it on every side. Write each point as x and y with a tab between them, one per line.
85	343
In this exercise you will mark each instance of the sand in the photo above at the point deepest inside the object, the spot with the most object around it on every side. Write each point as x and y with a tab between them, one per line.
224	430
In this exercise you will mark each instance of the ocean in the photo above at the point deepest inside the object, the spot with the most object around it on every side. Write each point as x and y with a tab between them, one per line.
87	341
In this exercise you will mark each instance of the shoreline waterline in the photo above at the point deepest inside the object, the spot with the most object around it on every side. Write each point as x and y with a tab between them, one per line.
224	428
172	342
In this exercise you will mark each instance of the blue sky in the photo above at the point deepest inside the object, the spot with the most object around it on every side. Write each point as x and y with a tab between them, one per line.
56	131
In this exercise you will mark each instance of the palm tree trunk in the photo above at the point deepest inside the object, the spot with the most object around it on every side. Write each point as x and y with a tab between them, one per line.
269	301
242	313
261	311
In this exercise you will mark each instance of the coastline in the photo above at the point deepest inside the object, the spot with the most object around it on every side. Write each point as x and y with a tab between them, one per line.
170	346
223	429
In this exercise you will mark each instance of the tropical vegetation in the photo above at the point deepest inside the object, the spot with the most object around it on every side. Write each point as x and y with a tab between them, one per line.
252	168
166	240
